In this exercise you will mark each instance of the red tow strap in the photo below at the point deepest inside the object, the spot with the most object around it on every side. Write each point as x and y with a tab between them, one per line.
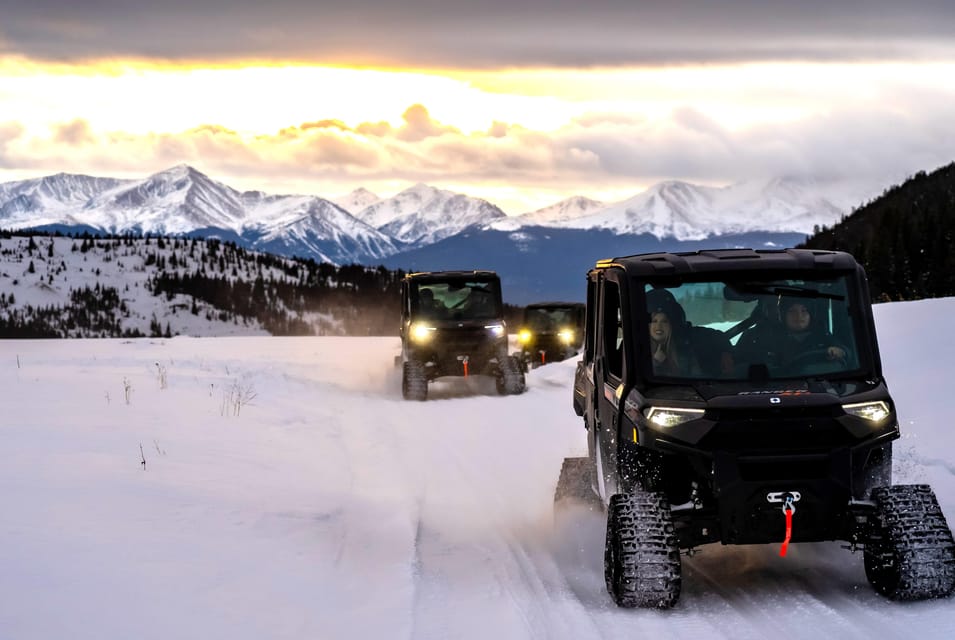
789	509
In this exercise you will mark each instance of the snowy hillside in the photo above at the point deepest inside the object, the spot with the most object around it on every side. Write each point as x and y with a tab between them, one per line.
280	488
86	287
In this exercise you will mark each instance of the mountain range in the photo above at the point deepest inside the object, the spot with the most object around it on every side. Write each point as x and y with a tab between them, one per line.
425	228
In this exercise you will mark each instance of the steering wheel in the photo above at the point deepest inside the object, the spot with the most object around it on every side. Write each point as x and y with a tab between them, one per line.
811	357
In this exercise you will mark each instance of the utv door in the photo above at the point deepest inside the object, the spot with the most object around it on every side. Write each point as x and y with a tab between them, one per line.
609	363
585	396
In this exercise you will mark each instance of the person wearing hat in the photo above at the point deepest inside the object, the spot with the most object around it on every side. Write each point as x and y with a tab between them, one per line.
796	334
670	350
801	335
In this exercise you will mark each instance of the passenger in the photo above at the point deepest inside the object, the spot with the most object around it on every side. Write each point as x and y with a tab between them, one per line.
479	304
670	350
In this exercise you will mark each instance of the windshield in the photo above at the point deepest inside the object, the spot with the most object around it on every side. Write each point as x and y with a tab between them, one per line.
459	299
551	319
751	329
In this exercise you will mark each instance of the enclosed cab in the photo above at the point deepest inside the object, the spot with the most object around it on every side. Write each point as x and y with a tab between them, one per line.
452	324
550	332
737	396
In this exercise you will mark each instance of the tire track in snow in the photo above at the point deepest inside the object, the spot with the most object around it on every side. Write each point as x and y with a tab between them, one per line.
814	592
474	557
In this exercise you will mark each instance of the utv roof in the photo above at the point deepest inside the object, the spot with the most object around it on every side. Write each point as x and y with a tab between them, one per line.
451	274
721	260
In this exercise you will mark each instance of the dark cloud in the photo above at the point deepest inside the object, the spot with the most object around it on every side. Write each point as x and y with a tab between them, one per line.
491	33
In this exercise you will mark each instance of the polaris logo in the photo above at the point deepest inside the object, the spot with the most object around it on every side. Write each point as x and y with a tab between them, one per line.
776	392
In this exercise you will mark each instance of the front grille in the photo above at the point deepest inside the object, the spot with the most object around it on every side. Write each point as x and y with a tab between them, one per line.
791	430
781	469
464	340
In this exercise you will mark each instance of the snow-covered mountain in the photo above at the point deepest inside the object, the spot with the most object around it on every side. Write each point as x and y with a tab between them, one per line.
357	200
563	211
182	200
422	215
51	199
174	201
363	228
685	211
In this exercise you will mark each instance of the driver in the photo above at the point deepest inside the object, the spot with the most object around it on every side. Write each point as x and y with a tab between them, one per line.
798	334
428	305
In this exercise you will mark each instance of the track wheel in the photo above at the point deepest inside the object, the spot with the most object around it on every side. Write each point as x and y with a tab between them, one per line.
414	381
910	553
641	558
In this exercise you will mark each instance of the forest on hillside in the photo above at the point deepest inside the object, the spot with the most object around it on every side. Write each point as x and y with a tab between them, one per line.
104	281
905	239
216	280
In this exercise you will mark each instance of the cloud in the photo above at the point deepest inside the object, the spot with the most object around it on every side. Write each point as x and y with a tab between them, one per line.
489	34
9	132
74	133
419	125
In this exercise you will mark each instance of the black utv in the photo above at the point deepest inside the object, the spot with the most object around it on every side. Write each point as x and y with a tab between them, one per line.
452	324
737	396
550	332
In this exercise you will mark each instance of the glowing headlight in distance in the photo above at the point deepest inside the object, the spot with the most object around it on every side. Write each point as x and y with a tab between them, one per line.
670	417
872	411
524	335
496	330
566	335
421	332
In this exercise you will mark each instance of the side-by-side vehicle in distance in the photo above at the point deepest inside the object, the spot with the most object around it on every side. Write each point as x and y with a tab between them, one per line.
550	332
452	324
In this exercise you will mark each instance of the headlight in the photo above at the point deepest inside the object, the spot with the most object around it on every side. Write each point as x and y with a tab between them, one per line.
497	330
421	332
524	335
566	335
670	417
872	411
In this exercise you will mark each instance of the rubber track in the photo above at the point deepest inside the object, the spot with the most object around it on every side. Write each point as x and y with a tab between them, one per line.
414	382
641	542
911	552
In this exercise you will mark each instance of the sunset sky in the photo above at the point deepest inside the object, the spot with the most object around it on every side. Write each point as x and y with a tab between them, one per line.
522	103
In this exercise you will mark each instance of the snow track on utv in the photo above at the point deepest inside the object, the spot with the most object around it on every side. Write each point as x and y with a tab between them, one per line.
910	554
573	484
641	559
511	381
414	381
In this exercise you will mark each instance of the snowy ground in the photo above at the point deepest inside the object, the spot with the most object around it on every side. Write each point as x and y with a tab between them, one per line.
331	508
